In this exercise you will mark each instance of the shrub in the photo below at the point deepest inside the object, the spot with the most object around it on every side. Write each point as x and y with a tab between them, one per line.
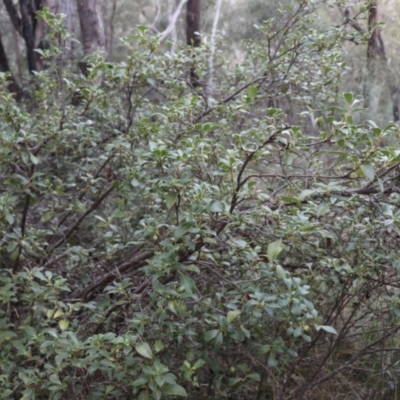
159	243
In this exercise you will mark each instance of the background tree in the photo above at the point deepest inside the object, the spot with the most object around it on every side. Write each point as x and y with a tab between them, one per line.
4	67
25	24
193	39
92	29
68	9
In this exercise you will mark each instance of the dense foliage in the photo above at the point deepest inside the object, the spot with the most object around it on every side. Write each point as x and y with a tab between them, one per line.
160	240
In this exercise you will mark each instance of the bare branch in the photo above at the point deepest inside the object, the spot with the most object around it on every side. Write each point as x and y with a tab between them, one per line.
163	35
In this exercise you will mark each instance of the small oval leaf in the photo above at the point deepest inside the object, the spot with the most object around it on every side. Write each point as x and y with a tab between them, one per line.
182	229
174	390
368	170
63	324
252	92
171	199
274	249
144	350
329	329
232	315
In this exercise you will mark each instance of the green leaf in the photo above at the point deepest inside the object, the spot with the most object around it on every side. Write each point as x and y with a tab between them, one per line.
235	382
54	379
368	170
288	199
272	360
215	206
187	283
219	339
232	315
349	98
210	335
158	345
192	268
160	380
280	272
9	218
174	390
274	249
144	350
140	381
63	324
329	329
240	242
109	389
172	305
254	377
28	394
306	193
252	92
182	229
35	160
198	364
135	182
7	335
322	209
171	199
38	274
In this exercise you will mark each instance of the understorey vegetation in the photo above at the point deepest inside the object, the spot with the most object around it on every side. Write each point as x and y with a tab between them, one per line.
165	239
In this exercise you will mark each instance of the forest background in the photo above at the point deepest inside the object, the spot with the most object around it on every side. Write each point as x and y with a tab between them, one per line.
199	199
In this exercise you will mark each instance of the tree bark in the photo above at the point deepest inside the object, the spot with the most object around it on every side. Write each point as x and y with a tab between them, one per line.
67	8
193	33
376	48
110	41
92	29
25	25
13	14
193	23
28	31
377	61
13	86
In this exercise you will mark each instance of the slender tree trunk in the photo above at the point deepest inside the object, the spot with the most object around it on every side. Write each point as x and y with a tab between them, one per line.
193	33
212	46
17	53
110	41
25	25
170	20
28	31
193	23
376	48
92	29
377	62
13	86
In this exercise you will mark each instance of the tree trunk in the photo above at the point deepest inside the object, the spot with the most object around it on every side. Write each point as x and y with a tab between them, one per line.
376	48
193	23
28	21
25	25
67	8
91	23
193	33
377	62
13	86
13	14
